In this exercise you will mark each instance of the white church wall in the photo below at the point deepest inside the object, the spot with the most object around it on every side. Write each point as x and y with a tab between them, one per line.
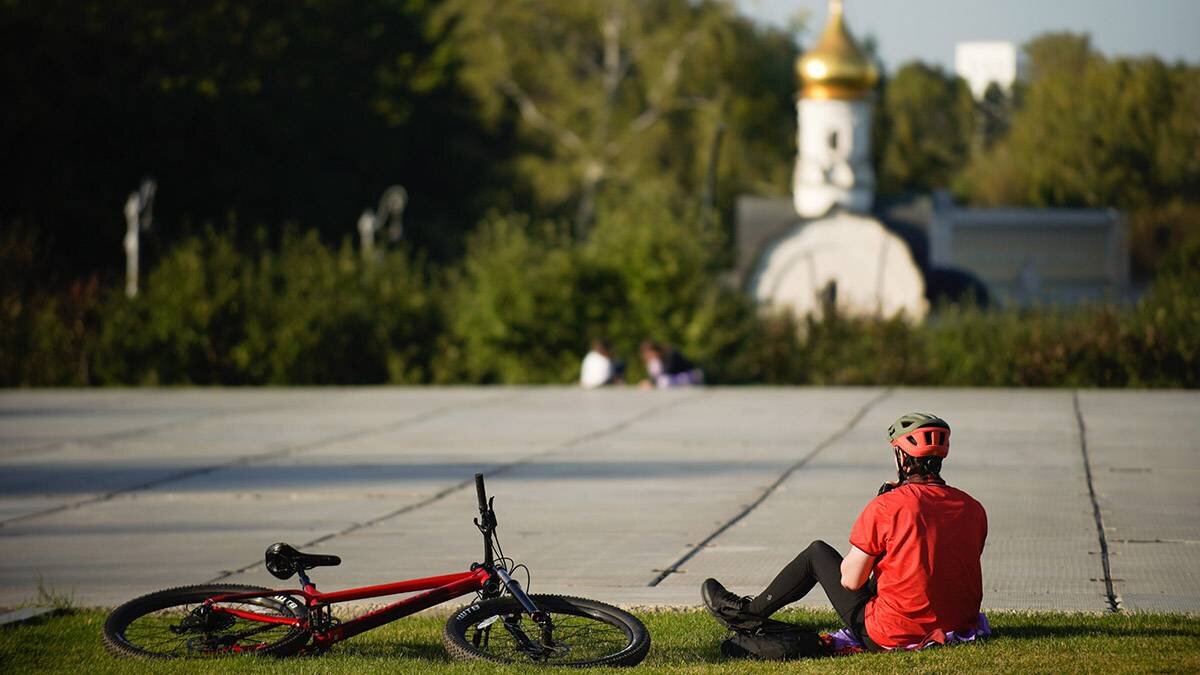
833	162
873	272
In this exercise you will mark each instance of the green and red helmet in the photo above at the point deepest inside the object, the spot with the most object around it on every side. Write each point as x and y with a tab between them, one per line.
920	435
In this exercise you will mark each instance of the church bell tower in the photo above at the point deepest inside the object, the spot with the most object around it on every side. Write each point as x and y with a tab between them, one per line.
833	160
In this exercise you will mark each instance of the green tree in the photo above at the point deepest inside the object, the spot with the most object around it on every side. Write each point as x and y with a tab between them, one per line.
993	115
1059	54
756	88
520	306
529	298
274	112
618	94
929	116
1095	132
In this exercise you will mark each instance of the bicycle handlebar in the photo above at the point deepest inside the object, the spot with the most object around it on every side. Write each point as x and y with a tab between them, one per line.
481	493
486	522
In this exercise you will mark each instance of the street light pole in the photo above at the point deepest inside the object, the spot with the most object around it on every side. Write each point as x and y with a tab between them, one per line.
366	234
139	215
387	215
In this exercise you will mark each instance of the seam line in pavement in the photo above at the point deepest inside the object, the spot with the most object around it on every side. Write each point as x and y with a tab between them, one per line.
248	460
1114	603
498	469
762	497
125	434
1156	541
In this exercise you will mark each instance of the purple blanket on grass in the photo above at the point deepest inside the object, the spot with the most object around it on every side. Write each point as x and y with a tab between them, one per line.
844	642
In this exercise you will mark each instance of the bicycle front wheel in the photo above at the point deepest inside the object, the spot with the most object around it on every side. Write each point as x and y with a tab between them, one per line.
580	633
174	623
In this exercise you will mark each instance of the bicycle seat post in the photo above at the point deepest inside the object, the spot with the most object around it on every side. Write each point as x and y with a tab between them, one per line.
305	582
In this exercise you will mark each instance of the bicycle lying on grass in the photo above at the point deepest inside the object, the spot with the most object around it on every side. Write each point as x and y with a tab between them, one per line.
504	624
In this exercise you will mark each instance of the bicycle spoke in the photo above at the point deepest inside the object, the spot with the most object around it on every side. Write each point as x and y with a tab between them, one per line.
156	632
575	639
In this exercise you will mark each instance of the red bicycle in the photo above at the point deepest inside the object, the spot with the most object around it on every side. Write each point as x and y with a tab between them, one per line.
505	624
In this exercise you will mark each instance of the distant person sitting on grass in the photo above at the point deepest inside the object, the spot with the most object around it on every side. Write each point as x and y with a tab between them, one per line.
668	368
922	538
599	368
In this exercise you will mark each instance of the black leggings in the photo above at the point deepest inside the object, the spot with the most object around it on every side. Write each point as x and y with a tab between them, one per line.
820	562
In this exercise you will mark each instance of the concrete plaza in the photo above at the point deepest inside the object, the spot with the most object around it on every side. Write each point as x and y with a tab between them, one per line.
632	497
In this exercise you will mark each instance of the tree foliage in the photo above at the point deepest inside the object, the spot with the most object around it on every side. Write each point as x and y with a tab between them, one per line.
1096	132
610	95
528	298
244	112
928	124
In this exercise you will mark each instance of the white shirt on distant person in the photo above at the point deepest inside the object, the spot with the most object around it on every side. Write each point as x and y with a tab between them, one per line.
597	370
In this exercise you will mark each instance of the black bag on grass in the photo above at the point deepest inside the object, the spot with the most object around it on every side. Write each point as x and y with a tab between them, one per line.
774	641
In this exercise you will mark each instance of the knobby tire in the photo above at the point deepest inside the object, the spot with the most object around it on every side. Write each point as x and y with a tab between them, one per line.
587	633
155	613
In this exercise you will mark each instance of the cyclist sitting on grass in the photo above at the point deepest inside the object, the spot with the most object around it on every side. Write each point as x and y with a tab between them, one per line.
923	539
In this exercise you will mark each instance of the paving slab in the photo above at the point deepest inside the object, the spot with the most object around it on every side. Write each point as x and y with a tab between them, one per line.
622	495
1146	472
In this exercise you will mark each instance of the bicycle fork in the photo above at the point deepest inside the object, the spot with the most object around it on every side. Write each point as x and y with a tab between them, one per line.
542	619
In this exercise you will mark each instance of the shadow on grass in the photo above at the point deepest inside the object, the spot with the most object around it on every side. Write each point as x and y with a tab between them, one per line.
689	654
1018	626
425	651
698	643
1044	631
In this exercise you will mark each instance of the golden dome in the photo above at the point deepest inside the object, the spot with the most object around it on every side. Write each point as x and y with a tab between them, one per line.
836	67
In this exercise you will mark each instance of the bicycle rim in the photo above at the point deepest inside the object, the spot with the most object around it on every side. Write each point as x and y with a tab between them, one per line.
172	624
585	633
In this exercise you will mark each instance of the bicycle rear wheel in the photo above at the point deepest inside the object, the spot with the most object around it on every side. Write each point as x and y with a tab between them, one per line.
172	623
584	633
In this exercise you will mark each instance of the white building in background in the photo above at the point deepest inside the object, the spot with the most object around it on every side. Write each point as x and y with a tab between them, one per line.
982	63
836	252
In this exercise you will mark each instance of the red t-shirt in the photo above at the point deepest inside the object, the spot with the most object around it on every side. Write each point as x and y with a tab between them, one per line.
930	538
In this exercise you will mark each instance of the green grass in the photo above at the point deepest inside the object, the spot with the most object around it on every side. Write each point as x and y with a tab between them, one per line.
684	642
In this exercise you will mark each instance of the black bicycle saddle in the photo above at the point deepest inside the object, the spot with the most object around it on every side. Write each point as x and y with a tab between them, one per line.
284	562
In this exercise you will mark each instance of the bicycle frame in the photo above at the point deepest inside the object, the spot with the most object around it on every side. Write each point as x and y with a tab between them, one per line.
486	577
437	589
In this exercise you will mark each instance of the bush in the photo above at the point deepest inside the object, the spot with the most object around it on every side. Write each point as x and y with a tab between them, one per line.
334	320
212	314
523	305
518	308
528	299
44	335
187	322
671	293
1154	344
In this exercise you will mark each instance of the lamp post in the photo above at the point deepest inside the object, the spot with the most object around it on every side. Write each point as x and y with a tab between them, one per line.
139	215
388	214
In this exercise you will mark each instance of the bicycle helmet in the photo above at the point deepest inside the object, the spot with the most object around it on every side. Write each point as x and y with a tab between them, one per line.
920	435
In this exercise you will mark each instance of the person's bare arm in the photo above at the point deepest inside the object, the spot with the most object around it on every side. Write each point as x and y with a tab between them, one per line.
856	567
